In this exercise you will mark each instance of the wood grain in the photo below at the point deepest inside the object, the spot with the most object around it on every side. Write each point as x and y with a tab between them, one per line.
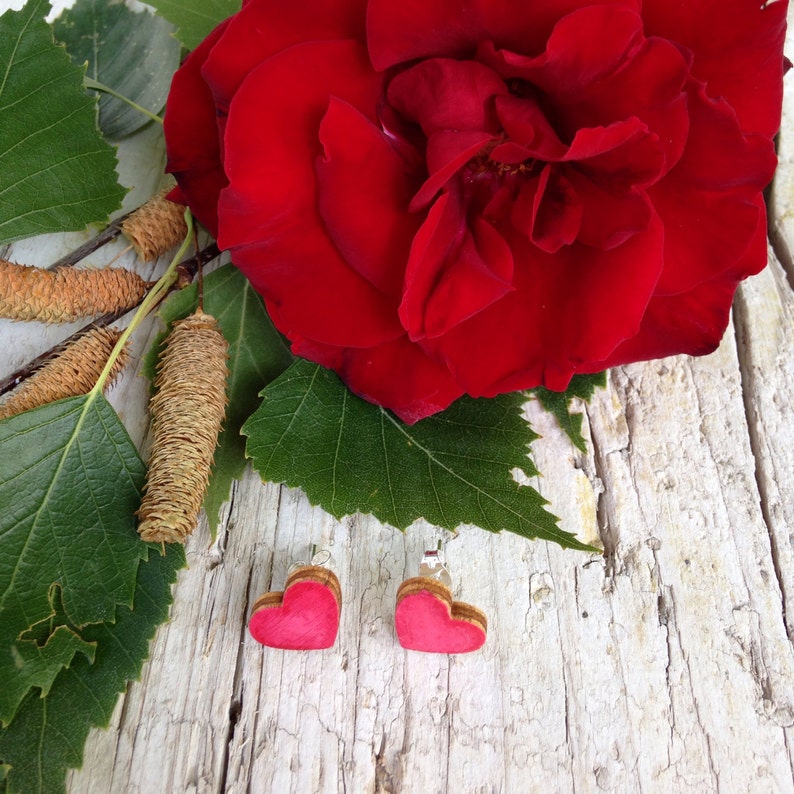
664	665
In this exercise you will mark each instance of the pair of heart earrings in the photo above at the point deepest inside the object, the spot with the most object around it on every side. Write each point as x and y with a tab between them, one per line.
305	616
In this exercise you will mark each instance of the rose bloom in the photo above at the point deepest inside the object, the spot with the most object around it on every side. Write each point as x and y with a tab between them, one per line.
480	196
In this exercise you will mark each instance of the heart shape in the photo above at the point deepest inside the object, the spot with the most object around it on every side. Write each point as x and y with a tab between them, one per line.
304	617
427	619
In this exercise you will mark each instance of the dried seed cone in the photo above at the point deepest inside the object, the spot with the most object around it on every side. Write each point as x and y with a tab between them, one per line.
66	293
155	227
187	412
72	372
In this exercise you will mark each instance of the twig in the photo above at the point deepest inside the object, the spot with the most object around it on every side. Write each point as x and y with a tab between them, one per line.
110	232
191	266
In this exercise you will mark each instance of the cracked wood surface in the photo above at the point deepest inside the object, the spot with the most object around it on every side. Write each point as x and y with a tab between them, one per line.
665	665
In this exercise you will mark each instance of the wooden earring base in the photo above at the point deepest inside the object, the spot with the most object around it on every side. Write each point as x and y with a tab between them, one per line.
428	619
305	616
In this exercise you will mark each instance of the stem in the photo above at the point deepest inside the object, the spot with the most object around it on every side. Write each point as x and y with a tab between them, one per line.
97	86
200	286
155	295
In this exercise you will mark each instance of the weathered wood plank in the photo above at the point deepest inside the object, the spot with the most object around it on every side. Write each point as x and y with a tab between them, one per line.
767	360
598	673
665	665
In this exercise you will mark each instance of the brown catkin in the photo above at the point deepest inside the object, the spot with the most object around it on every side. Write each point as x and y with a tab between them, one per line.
155	227
66	293
187	412
71	372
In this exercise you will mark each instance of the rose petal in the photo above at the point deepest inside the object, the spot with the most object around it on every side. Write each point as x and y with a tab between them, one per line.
397	374
593	197
269	215
176	195
479	275
624	154
650	89
572	307
710	202
310	291
400	32
585	47
364	192
447	153
191	136
442	94
510	153
549	210
691	323
609	217
526	123
266	27
454	271
272	146
597	69
737	46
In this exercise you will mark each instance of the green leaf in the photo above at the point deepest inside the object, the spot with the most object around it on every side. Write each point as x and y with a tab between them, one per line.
257	355
56	171
39	654
48	734
195	18
584	386
559	404
350	456
134	53
70	482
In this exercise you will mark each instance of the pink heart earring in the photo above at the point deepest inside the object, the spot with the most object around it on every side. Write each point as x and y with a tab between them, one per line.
305	616
426	617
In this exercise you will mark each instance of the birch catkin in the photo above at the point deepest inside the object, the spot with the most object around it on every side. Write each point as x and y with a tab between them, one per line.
187	412
72	372
155	227
66	293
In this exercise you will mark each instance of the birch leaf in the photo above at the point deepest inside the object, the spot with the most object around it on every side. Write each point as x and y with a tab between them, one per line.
351	456
195	18
133	53
56	171
48	734
70	482
559	404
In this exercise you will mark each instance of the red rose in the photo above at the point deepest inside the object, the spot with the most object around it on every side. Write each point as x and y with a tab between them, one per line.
438	198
